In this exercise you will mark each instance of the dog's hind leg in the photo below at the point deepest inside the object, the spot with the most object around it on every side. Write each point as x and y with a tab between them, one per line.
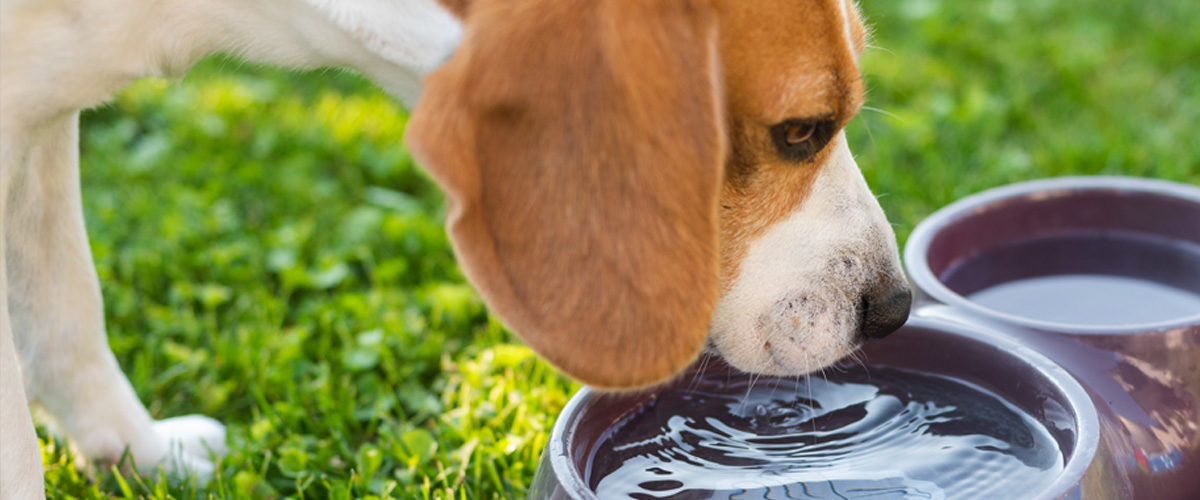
57	321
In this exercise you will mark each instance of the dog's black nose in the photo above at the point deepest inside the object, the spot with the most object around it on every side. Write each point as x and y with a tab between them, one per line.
886	312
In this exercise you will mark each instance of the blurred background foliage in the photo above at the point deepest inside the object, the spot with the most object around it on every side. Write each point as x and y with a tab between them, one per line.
272	257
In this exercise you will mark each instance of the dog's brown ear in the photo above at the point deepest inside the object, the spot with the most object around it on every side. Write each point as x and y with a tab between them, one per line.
580	144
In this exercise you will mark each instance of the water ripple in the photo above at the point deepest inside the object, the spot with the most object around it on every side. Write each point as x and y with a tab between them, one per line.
886	434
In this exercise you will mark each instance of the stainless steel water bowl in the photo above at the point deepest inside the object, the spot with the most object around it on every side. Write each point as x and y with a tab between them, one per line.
1024	378
1142	371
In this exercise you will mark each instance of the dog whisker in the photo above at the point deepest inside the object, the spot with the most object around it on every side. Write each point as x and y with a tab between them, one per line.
883	112
810	389
701	366
746	396
867	126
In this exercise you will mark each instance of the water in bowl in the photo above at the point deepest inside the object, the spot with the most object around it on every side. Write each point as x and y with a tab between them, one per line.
1085	278
881	433
1090	299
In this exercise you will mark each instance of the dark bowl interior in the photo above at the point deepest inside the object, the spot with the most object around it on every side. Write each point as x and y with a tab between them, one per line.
1022	377
1123	227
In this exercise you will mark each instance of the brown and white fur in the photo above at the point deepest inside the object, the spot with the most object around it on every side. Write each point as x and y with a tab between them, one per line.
630	183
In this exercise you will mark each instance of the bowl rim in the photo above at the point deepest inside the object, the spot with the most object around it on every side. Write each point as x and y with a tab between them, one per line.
916	250
1087	423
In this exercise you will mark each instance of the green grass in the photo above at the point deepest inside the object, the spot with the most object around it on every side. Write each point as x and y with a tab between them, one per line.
272	257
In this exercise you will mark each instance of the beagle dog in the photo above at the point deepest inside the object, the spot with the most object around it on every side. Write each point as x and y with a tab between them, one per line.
630	184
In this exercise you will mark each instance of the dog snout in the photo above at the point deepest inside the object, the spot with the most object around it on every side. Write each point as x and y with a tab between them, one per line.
885	311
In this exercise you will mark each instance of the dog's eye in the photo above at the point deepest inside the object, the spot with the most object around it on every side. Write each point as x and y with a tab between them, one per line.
799	132
798	140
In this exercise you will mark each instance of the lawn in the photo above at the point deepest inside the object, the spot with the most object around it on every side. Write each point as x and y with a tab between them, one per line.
272	257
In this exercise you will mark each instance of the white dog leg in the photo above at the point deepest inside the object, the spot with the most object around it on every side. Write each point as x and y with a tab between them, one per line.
57	320
20	459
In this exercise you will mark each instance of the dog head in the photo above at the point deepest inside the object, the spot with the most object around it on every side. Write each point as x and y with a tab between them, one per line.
629	182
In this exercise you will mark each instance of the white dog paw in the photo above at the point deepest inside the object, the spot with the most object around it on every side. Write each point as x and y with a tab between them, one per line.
191	441
196	434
